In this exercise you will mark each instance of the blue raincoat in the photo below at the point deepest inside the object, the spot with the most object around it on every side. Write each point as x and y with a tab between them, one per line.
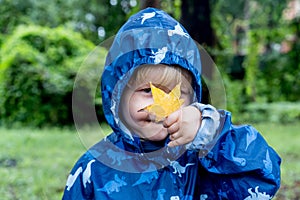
239	164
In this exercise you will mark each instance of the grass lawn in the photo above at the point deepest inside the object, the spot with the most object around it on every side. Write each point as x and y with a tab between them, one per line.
34	164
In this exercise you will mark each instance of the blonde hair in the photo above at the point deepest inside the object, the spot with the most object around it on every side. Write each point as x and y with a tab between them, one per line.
166	75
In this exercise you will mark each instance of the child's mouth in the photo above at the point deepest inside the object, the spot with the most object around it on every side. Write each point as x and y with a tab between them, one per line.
150	117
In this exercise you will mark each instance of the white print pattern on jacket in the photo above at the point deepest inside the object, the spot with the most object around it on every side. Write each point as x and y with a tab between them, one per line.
257	195
159	55
228	151
72	178
86	176
117	157
87	173
113	185
203	196
147	16
147	177
178	168
251	136
178	30
160	194
175	198
268	166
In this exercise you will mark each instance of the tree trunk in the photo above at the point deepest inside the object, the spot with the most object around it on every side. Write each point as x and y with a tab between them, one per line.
149	3
195	17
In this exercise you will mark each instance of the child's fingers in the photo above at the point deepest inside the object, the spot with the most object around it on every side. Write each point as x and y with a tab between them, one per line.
173	128
177	142
175	136
171	119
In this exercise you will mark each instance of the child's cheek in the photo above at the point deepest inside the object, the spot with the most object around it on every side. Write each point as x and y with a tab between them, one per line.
135	104
140	101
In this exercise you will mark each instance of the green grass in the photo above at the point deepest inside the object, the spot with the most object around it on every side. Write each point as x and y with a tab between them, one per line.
34	164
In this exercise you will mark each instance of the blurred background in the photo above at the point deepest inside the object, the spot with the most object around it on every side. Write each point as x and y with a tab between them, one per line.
254	44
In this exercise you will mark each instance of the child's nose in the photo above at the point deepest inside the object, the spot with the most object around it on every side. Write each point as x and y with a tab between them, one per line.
148	101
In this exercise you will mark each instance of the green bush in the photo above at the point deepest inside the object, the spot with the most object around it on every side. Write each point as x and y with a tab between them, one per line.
235	97
279	78
37	70
278	112
1	40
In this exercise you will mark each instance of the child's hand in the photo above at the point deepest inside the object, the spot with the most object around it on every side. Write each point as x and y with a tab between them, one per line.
182	125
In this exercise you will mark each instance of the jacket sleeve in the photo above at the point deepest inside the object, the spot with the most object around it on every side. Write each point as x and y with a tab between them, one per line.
241	164
78	184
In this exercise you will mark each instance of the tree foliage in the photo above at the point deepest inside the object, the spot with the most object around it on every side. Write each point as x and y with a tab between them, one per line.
38	67
251	52
248	34
95	19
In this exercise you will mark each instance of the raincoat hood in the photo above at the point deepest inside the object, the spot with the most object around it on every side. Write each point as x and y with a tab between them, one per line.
149	37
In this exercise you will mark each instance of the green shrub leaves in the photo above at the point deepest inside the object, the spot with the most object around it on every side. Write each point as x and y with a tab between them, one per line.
37	70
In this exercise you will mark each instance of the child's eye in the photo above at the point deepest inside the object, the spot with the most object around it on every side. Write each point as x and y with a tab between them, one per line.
146	90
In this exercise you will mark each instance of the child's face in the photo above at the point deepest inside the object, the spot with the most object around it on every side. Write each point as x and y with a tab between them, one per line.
137	96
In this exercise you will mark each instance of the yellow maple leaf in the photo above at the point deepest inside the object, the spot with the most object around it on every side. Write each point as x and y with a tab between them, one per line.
164	104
